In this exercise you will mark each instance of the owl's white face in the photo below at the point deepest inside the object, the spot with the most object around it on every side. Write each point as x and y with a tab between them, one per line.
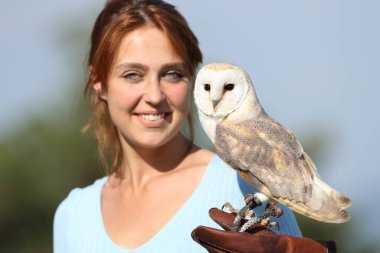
220	89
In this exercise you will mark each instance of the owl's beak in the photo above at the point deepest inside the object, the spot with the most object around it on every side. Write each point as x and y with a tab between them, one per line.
215	103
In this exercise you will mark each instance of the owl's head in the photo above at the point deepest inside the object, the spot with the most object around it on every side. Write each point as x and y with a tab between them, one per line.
221	88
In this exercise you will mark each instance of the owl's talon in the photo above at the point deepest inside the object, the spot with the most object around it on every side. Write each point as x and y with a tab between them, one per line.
248	198
265	222
230	208
274	224
274	210
249	213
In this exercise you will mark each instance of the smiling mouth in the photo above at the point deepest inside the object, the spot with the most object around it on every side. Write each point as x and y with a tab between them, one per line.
152	117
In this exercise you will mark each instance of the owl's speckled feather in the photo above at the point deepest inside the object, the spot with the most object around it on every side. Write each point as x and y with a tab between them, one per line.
265	153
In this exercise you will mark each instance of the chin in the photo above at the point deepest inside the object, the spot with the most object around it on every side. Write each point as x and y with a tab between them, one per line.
151	141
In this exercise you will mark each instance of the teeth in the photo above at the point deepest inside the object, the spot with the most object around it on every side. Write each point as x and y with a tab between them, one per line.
152	117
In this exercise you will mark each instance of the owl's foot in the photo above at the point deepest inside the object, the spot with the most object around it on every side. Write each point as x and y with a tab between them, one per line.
251	202
239	214
270	211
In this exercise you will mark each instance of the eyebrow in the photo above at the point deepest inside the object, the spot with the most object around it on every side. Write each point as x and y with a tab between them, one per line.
139	66
175	65
131	66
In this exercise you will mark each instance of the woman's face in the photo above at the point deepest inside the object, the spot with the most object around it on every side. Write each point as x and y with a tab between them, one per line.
148	89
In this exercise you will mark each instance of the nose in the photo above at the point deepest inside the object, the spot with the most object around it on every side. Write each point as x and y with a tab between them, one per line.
153	93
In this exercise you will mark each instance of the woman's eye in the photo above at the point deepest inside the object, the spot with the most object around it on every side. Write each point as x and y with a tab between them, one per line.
173	76
132	76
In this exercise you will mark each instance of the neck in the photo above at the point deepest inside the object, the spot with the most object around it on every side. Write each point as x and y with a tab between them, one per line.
141	164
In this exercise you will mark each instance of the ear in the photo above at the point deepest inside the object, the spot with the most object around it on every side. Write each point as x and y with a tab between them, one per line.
99	91
97	86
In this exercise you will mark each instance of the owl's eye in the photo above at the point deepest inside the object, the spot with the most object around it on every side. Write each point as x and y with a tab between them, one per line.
229	86
207	87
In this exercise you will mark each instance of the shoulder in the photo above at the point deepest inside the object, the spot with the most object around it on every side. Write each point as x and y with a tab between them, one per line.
221	170
74	215
79	199
195	164
78	195
221	183
200	156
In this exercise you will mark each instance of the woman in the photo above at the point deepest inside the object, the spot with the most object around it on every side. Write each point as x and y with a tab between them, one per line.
160	186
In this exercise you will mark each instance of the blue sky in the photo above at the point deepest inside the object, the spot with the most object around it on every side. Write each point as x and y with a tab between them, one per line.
315	66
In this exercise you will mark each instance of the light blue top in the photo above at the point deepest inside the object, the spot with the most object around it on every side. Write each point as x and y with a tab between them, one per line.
79	228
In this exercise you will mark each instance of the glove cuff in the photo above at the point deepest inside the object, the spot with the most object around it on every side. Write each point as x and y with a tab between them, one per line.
330	245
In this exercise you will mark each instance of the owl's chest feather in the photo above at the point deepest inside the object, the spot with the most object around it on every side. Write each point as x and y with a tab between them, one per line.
241	147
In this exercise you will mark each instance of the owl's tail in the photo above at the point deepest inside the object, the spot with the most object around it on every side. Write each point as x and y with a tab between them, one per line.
326	206
333	203
324	214
330	208
323	203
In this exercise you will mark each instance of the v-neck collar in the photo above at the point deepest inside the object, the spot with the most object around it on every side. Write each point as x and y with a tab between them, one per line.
174	221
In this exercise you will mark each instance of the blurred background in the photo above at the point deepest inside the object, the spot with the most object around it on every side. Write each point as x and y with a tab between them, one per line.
315	66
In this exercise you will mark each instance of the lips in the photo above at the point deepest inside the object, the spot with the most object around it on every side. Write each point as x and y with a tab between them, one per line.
152	117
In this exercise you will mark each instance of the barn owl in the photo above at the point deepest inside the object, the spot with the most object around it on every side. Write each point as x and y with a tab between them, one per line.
265	153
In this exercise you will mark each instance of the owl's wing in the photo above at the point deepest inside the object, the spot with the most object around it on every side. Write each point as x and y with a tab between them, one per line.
275	134
269	157
267	151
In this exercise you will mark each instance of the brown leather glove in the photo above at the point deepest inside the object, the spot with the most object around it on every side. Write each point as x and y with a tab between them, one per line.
257	239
